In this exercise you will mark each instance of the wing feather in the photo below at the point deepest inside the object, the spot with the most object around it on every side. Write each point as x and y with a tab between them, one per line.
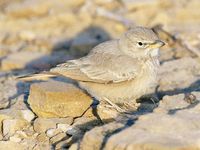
105	64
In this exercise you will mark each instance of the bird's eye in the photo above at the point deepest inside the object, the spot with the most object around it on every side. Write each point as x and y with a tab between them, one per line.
140	44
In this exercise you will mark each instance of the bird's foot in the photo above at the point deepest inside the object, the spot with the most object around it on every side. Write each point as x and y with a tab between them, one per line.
154	100
131	105
119	109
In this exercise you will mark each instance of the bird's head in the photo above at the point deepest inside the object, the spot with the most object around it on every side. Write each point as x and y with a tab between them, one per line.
140	42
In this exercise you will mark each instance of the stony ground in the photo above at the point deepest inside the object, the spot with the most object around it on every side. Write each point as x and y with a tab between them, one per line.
37	34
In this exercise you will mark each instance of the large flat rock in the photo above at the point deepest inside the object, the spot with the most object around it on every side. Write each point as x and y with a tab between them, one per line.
58	99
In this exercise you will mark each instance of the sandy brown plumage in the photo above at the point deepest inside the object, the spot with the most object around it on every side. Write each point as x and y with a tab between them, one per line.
119	70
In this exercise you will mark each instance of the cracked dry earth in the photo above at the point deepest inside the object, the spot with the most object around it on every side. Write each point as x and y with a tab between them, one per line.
56	114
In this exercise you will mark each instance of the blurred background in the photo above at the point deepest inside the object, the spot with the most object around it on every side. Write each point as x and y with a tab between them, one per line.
37	34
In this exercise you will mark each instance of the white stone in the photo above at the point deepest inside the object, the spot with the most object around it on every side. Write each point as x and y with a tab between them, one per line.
15	139
10	126
71	130
28	115
63	127
52	132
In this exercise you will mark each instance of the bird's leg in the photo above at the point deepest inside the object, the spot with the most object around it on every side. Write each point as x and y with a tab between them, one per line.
131	104
151	97
153	100
113	105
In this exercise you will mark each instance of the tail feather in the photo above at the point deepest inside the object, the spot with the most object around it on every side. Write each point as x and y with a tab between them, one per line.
41	76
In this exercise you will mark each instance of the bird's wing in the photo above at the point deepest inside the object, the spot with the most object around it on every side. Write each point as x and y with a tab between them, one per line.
102	66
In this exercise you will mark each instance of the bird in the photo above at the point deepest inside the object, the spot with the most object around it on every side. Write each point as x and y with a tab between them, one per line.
117	71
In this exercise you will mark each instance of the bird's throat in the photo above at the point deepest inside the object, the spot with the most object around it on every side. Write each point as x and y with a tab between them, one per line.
154	52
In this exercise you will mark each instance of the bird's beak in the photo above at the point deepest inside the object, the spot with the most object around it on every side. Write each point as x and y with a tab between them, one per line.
156	44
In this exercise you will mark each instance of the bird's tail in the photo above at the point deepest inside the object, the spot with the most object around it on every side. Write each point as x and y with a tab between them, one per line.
40	76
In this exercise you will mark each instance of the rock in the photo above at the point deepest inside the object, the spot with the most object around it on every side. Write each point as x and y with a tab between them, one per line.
13	113
57	99
1	136
21	60
2	117
172	102
137	8
139	4
42	124
27	35
15	138
171	131
28	59
187	63
4	103
26	11
62	144
57	138
183	14
162	134
10	126
18	110
75	134
63	127
14	118
38	8
74	146
97	135
28	115
53	132
106	113
161	18
177	78
28	133
84	124
33	140
8	90
12	145
42	138
41	145
74	131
